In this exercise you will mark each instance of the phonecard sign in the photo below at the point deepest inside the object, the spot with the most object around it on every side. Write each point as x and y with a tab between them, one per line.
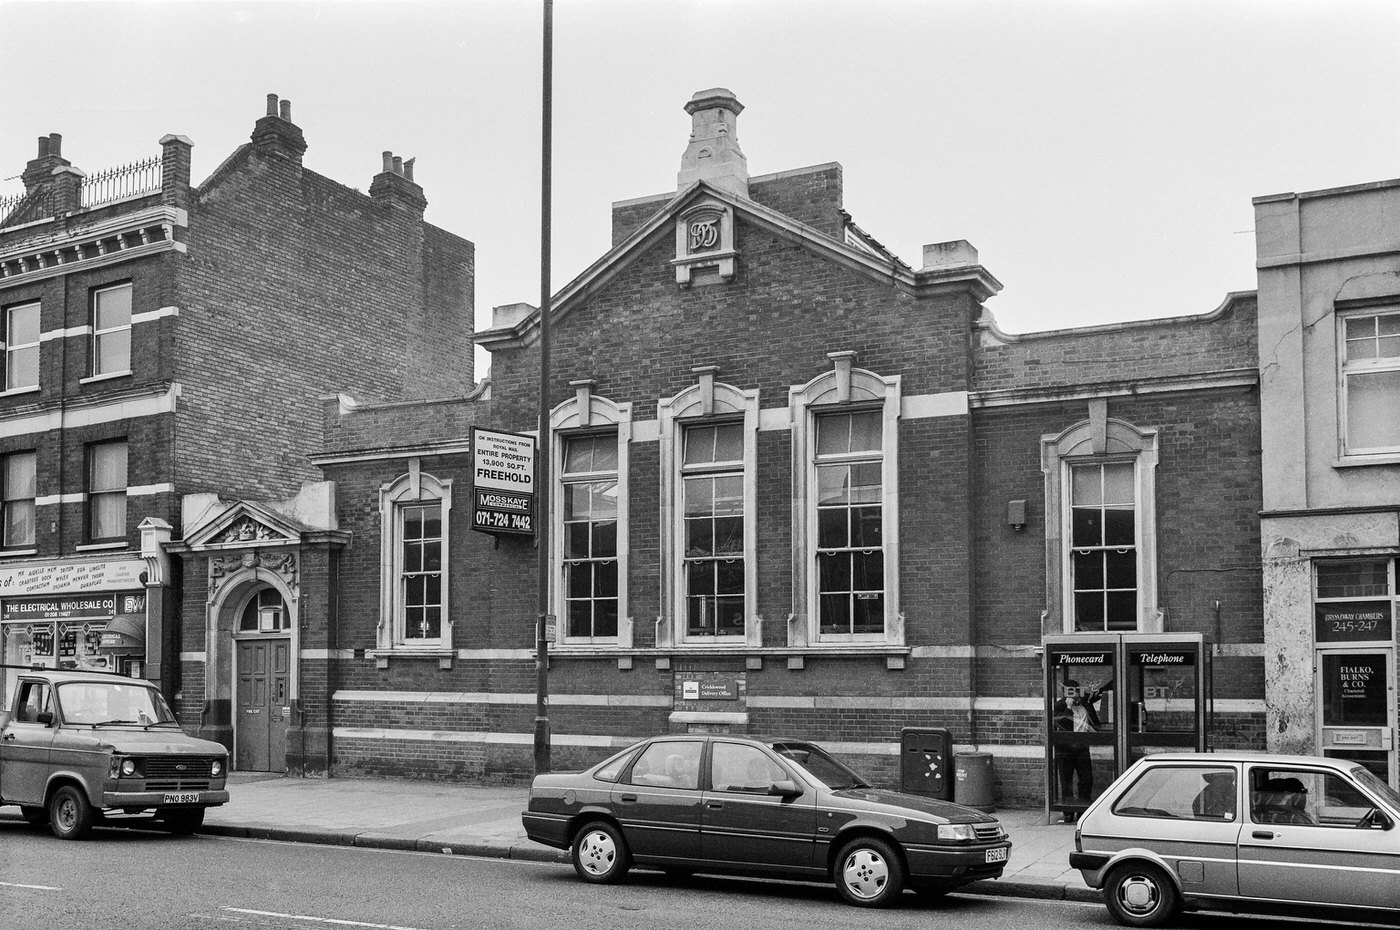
503	482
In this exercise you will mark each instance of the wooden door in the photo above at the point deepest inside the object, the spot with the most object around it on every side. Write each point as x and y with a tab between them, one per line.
264	705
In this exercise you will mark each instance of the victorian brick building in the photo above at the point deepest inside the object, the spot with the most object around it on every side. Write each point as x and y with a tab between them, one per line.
164	339
797	486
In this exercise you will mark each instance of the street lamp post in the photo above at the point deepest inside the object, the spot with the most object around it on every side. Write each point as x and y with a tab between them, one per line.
544	460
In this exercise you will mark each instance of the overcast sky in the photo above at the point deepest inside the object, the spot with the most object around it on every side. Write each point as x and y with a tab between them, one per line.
1100	155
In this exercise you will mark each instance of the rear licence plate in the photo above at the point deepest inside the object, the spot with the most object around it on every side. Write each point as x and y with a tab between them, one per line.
996	855
192	797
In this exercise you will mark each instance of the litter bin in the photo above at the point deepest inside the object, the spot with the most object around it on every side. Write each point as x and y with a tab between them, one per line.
972	773
924	769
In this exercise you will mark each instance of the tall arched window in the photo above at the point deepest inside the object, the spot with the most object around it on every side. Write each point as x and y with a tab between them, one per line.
845	448
1100	505
414	512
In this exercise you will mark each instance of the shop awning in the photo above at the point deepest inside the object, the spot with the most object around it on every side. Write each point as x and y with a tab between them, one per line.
125	633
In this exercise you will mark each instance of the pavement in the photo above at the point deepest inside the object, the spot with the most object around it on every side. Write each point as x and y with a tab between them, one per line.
464	819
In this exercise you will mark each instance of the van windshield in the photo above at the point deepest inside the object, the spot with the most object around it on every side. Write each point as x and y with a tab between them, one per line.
96	703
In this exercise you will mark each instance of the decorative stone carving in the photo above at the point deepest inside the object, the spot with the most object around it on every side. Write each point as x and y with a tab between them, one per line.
223	567
248	530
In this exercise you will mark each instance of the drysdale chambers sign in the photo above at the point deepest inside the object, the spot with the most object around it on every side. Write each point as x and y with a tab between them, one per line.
503	482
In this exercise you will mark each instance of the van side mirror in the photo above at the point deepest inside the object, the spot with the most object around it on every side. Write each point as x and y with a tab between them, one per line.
787	788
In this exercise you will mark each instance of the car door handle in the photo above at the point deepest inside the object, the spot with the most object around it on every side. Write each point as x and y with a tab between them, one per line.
714	805
629	799
8	736
1263	834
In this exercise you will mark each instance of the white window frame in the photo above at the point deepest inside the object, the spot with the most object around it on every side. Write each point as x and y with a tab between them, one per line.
413	489
1347	369
98	334
1098	440
845	389
12	348
588	413
92	493
704	404
7	500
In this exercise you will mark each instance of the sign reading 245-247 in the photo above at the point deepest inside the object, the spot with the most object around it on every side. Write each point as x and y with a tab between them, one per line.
503	482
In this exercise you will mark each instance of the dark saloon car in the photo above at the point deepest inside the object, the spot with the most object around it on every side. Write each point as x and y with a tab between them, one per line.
773	808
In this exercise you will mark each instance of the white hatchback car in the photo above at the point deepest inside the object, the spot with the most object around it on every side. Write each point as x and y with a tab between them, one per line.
1241	831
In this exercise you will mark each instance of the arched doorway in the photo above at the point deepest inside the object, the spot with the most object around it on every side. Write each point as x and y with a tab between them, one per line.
262	671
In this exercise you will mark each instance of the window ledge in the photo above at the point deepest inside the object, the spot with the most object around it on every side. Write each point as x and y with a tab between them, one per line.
30	389
443	654
16	553
107	377
838	649
711	717
1360	461
97	547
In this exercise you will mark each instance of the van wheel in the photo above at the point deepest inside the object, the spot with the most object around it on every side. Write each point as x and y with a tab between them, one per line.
70	814
869	873
35	816
1140	895
600	853
184	822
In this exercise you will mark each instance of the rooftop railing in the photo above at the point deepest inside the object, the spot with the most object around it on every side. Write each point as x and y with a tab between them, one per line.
130	180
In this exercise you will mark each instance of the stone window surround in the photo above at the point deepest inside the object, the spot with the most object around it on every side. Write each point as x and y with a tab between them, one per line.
706	402
415	487
1095	440
843	388
583	414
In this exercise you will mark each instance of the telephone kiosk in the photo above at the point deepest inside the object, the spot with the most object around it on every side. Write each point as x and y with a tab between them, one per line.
1112	698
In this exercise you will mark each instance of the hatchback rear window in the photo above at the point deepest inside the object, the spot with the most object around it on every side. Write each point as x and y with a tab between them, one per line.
1184	792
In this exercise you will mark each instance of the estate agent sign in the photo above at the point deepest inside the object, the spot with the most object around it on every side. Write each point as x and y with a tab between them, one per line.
503	482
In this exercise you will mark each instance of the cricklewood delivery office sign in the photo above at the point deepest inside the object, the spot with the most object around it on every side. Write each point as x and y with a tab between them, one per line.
503	482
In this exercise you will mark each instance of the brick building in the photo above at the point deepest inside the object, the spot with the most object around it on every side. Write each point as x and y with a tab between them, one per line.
797	485
163	339
1329	316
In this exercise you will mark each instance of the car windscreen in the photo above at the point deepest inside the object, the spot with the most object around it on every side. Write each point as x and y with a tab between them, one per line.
1371	783
820	766
101	703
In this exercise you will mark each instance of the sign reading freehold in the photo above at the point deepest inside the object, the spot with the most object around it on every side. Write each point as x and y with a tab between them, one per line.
503	482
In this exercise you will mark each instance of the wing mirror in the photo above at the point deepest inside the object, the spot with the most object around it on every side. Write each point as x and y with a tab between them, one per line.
787	788
45	717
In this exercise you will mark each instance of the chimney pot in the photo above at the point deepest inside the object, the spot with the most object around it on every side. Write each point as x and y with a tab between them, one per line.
388	161
286	111
398	165
408	168
55	144
43	146
271	104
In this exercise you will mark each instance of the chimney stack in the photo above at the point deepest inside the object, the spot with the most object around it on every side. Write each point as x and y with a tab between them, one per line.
714	155
276	134
395	184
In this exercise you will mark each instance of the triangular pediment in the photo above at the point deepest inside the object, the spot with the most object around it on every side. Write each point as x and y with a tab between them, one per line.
857	255
243	525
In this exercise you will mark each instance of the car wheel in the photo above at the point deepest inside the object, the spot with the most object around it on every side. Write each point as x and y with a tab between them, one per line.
35	816
600	853
184	822
869	873
1140	895
70	814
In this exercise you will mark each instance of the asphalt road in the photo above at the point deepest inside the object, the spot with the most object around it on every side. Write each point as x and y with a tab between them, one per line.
130	880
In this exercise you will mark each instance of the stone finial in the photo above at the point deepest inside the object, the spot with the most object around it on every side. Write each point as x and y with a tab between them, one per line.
714	155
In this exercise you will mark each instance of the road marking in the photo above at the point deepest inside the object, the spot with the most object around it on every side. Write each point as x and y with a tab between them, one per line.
30	887
319	920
